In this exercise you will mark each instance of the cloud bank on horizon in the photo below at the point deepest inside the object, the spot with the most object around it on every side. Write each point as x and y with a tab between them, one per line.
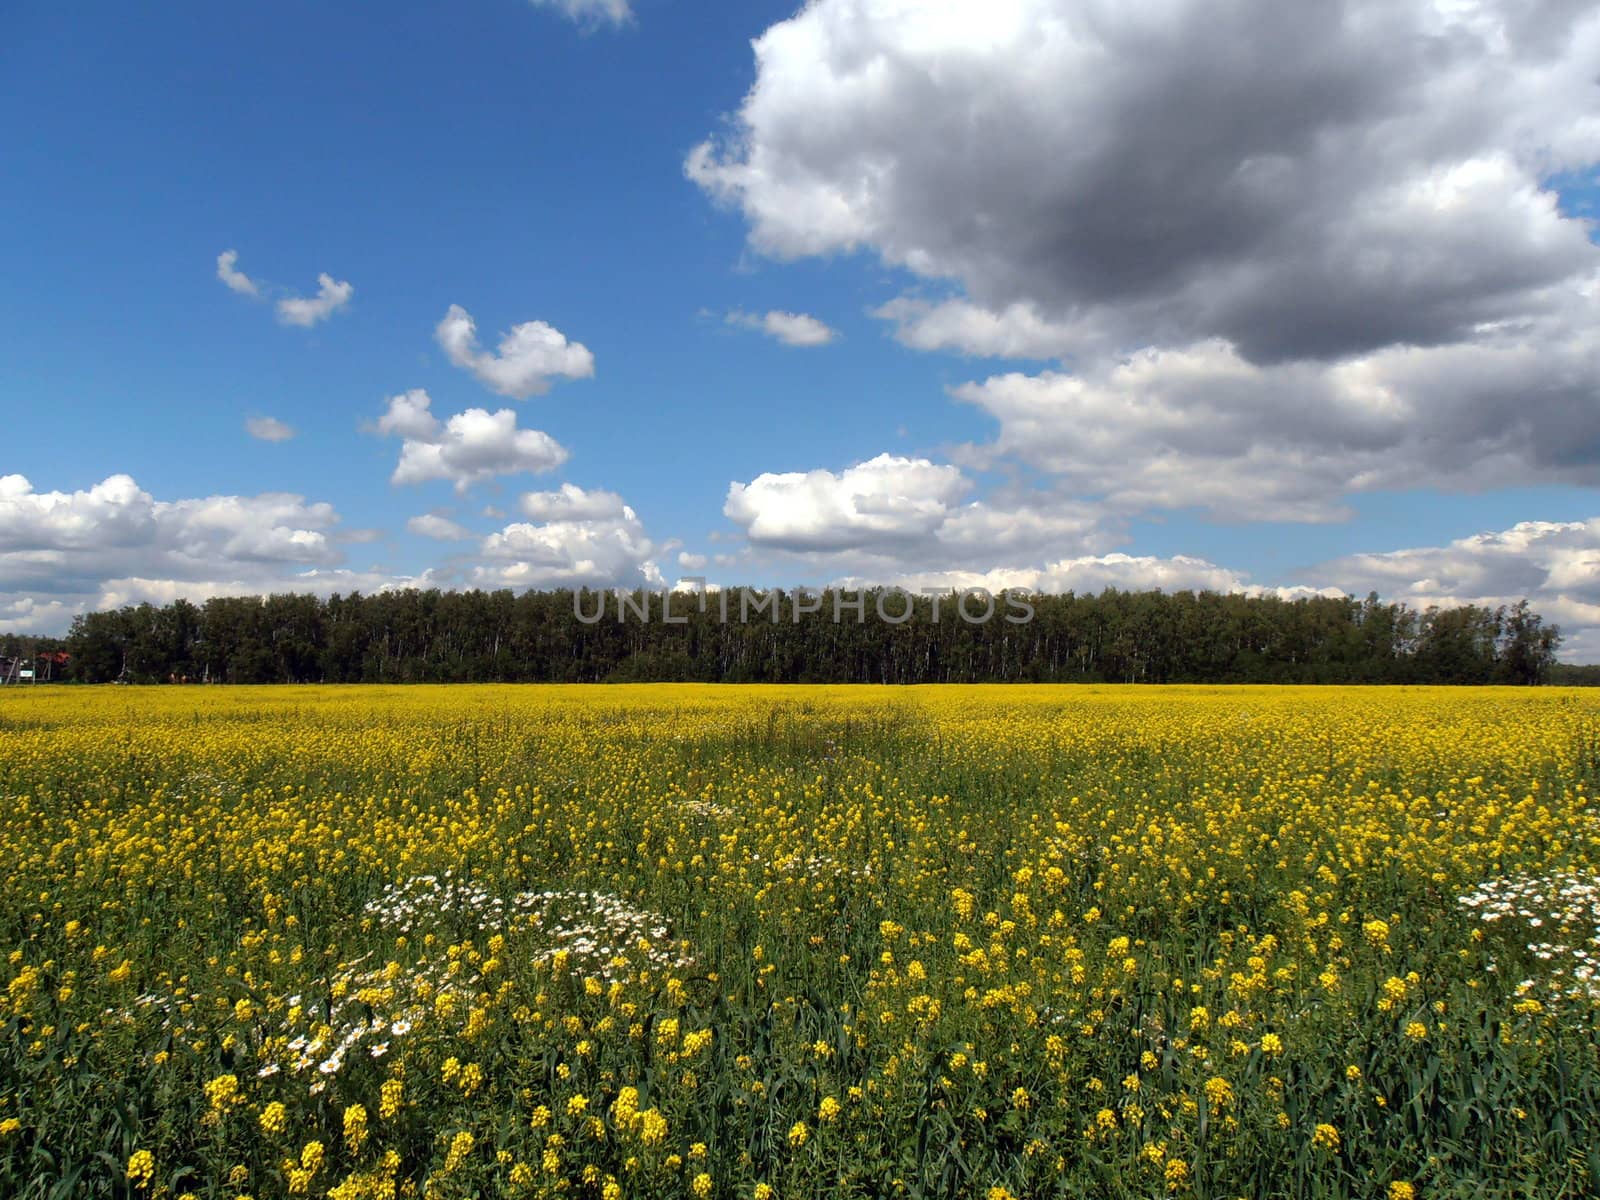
1183	268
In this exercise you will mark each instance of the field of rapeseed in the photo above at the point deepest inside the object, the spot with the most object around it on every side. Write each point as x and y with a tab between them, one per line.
681	941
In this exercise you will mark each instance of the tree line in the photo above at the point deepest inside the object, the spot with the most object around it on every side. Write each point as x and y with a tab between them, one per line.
433	636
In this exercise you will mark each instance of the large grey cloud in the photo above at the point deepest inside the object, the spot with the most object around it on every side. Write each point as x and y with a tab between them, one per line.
1282	252
1201	425
1302	180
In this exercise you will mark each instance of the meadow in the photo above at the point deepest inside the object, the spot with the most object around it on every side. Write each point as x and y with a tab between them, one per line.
757	942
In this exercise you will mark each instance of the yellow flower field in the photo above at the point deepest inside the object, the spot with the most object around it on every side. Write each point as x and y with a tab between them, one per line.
680	940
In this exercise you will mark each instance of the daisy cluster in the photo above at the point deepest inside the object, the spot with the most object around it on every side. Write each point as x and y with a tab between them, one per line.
600	931
1560	916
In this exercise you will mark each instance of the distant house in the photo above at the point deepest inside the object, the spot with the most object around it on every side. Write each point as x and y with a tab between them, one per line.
47	666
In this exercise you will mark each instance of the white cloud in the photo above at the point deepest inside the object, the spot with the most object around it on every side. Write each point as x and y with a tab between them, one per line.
32	615
442	529
1090	574
590	13
235	279
62	552
408	415
471	447
571	503
115	593
331	296
1554	564
1017	331
792	329
892	514
692	562
476	445
580	538
268	429
530	356
886	499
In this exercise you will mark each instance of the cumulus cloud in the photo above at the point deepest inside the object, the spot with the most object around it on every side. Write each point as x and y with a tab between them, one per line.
331	296
268	429
407	415
1201	425
884	500
578	538
317	581
1301	181
34	615
61	552
235	279
792	329
530	356
590	13
960	326
1316	244
891	514
470	447
1554	564
442	529
1090	574
572	503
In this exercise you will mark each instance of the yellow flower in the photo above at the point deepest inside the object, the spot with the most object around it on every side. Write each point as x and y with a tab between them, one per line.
1219	1092
274	1119
460	1147
799	1134
141	1168
390	1096
355	1127
653	1128
1325	1137
1401	1190
223	1093
701	1185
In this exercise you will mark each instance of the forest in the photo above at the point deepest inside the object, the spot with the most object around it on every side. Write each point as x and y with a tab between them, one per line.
433	636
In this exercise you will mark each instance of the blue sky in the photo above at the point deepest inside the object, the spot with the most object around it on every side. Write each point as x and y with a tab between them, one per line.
535	162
